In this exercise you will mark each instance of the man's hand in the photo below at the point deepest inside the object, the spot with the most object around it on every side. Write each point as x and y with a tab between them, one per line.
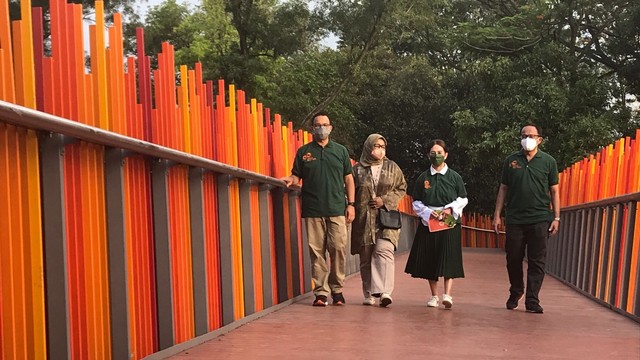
376	203
496	224
350	214
289	180
553	229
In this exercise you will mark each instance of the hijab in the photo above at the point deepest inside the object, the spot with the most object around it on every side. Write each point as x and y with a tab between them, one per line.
366	159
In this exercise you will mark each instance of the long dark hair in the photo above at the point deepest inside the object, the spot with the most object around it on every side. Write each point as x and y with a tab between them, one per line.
434	142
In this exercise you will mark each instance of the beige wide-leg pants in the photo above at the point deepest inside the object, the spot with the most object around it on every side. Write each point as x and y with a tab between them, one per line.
377	267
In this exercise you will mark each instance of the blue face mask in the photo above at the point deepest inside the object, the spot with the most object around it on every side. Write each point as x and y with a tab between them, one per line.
321	132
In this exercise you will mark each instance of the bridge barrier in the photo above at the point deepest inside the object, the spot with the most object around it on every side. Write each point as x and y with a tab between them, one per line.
142	246
139	213
596	252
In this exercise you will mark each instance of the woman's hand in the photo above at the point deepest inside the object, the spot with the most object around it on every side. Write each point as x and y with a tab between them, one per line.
441	214
376	203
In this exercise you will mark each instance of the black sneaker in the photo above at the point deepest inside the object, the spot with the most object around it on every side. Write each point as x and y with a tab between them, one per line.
512	302
338	299
321	300
536	309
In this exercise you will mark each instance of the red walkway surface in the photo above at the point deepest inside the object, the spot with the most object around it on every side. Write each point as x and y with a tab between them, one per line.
477	327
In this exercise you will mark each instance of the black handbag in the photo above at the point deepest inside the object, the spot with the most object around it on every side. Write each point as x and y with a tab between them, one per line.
389	219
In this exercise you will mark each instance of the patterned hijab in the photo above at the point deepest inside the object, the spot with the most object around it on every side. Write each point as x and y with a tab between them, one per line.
366	159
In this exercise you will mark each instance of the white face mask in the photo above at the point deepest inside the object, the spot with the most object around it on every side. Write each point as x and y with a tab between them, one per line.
529	144
322	132
378	153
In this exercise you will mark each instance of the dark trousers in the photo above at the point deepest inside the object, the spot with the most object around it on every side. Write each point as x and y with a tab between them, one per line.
531	238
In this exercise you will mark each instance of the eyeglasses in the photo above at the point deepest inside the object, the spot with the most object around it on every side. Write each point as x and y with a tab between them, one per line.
377	146
533	136
320	126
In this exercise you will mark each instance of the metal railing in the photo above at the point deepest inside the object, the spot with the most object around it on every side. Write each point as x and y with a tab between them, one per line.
596	252
244	239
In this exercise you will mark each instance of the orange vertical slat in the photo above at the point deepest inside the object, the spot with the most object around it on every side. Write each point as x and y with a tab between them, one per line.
8	81
99	69
212	247
19	62
5	285
184	103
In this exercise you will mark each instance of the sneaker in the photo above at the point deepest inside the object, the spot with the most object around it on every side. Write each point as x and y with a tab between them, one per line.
512	302
369	301
338	299
321	300
385	300
434	301
536	309
447	301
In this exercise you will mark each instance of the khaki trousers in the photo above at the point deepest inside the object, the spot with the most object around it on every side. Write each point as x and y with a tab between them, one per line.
327	234
377	267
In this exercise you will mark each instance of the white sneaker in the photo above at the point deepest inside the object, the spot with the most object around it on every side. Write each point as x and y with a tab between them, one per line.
447	301
385	300
369	301
434	301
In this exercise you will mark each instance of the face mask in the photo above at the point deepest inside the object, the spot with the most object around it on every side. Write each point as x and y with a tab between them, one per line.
321	133
378	153
529	144
436	160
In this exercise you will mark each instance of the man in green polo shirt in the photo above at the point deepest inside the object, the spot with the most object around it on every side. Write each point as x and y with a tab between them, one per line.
530	186
328	194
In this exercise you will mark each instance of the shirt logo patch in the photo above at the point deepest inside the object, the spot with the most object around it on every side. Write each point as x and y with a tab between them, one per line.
308	157
427	184
514	165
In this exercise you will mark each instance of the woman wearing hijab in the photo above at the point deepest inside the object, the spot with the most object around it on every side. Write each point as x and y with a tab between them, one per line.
439	193
379	184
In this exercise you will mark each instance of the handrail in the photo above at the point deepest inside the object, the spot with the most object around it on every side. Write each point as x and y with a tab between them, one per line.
37	120
604	202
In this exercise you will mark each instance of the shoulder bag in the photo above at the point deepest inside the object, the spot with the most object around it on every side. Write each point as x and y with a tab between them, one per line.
389	219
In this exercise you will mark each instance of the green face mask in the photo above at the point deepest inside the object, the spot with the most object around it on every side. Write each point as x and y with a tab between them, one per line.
436	160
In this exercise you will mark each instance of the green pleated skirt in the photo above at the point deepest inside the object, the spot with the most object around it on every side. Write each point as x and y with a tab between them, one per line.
435	255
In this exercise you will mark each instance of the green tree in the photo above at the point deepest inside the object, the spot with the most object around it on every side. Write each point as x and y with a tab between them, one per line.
605	33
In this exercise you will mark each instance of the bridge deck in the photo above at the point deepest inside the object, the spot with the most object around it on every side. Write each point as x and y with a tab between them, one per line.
478	326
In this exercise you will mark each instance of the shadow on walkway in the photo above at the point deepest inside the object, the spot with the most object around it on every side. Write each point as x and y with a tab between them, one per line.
477	327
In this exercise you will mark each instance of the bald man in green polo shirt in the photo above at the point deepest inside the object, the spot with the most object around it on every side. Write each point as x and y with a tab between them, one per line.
530	187
328	195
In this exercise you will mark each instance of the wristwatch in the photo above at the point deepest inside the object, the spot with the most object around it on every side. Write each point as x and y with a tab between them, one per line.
352	203
556	219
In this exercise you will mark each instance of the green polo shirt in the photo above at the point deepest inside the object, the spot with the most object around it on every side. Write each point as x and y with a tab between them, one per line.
528	182
439	189
322	170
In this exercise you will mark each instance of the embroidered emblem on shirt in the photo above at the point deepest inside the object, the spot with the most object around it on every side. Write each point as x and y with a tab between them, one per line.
514	165
427	184
308	157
